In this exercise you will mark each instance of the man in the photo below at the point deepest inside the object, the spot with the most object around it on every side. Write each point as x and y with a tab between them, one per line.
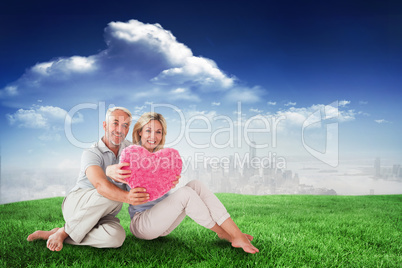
91	207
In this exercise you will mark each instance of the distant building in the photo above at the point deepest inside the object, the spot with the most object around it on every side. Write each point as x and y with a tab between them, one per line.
296	179
377	167
287	175
396	169
231	168
253	150
251	168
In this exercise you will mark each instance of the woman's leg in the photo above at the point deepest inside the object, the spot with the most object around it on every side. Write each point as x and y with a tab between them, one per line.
200	204
216	209
225	227
165	216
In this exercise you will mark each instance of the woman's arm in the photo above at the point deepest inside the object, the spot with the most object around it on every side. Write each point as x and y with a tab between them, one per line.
176	181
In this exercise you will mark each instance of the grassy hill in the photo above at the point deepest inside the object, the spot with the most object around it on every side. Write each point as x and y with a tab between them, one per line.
291	231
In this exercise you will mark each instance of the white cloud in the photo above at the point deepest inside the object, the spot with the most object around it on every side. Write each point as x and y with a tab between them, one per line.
209	115
179	90
9	91
149	94
363	113
292	119
50	136
363	102
381	121
343	103
182	94
348	115
290	103
297	116
41	117
273	103
256	110
294	116
158	46
138	110
74	64
246	95
196	71
215	103
148	39
28	119
68	164
141	61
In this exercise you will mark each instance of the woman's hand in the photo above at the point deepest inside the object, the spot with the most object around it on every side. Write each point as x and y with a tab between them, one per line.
117	173
176	182
137	196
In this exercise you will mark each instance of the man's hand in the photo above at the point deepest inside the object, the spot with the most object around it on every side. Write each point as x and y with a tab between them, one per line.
117	173
176	182
137	196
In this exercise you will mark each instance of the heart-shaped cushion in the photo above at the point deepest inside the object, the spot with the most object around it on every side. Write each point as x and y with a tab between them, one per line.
153	171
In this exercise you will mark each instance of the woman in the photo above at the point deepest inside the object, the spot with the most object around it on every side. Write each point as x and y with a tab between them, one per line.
161	216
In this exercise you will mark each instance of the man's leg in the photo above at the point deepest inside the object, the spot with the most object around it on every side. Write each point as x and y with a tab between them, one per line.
43	235
107	234
90	219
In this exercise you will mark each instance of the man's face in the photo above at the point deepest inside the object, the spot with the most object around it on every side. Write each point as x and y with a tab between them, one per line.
116	128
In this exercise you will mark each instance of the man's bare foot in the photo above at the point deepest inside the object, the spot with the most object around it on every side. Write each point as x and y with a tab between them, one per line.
55	241
44	235
244	243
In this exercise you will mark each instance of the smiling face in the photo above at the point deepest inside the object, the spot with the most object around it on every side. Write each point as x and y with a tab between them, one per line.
116	128
151	135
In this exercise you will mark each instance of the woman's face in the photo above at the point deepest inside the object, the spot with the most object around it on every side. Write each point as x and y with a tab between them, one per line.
151	135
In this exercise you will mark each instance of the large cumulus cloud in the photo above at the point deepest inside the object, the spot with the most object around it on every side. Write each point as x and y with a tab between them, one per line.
141	60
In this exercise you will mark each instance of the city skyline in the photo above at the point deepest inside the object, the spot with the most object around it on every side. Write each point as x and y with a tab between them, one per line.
241	174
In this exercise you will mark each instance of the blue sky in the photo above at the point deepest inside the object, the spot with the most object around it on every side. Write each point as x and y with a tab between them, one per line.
207	59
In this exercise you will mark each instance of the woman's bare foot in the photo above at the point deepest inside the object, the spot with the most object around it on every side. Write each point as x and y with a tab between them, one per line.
227	237
55	241
244	243
44	235
249	237
228	230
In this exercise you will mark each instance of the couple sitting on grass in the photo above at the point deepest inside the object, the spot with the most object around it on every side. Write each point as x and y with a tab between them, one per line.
90	208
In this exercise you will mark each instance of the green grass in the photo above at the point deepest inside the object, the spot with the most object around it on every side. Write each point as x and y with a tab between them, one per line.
290	231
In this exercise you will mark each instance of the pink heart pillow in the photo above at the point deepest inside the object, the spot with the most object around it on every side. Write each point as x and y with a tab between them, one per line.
152	171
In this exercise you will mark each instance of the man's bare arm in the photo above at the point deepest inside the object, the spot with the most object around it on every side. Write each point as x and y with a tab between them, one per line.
107	189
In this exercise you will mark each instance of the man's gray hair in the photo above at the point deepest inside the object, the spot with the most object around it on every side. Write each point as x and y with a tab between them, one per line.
111	110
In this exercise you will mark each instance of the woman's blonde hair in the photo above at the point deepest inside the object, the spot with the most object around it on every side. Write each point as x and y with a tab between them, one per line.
145	119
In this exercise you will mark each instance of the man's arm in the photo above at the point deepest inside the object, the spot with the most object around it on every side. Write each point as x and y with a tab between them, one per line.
117	173
107	189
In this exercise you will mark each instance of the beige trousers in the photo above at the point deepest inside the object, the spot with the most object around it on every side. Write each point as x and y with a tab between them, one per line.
194	200
91	220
